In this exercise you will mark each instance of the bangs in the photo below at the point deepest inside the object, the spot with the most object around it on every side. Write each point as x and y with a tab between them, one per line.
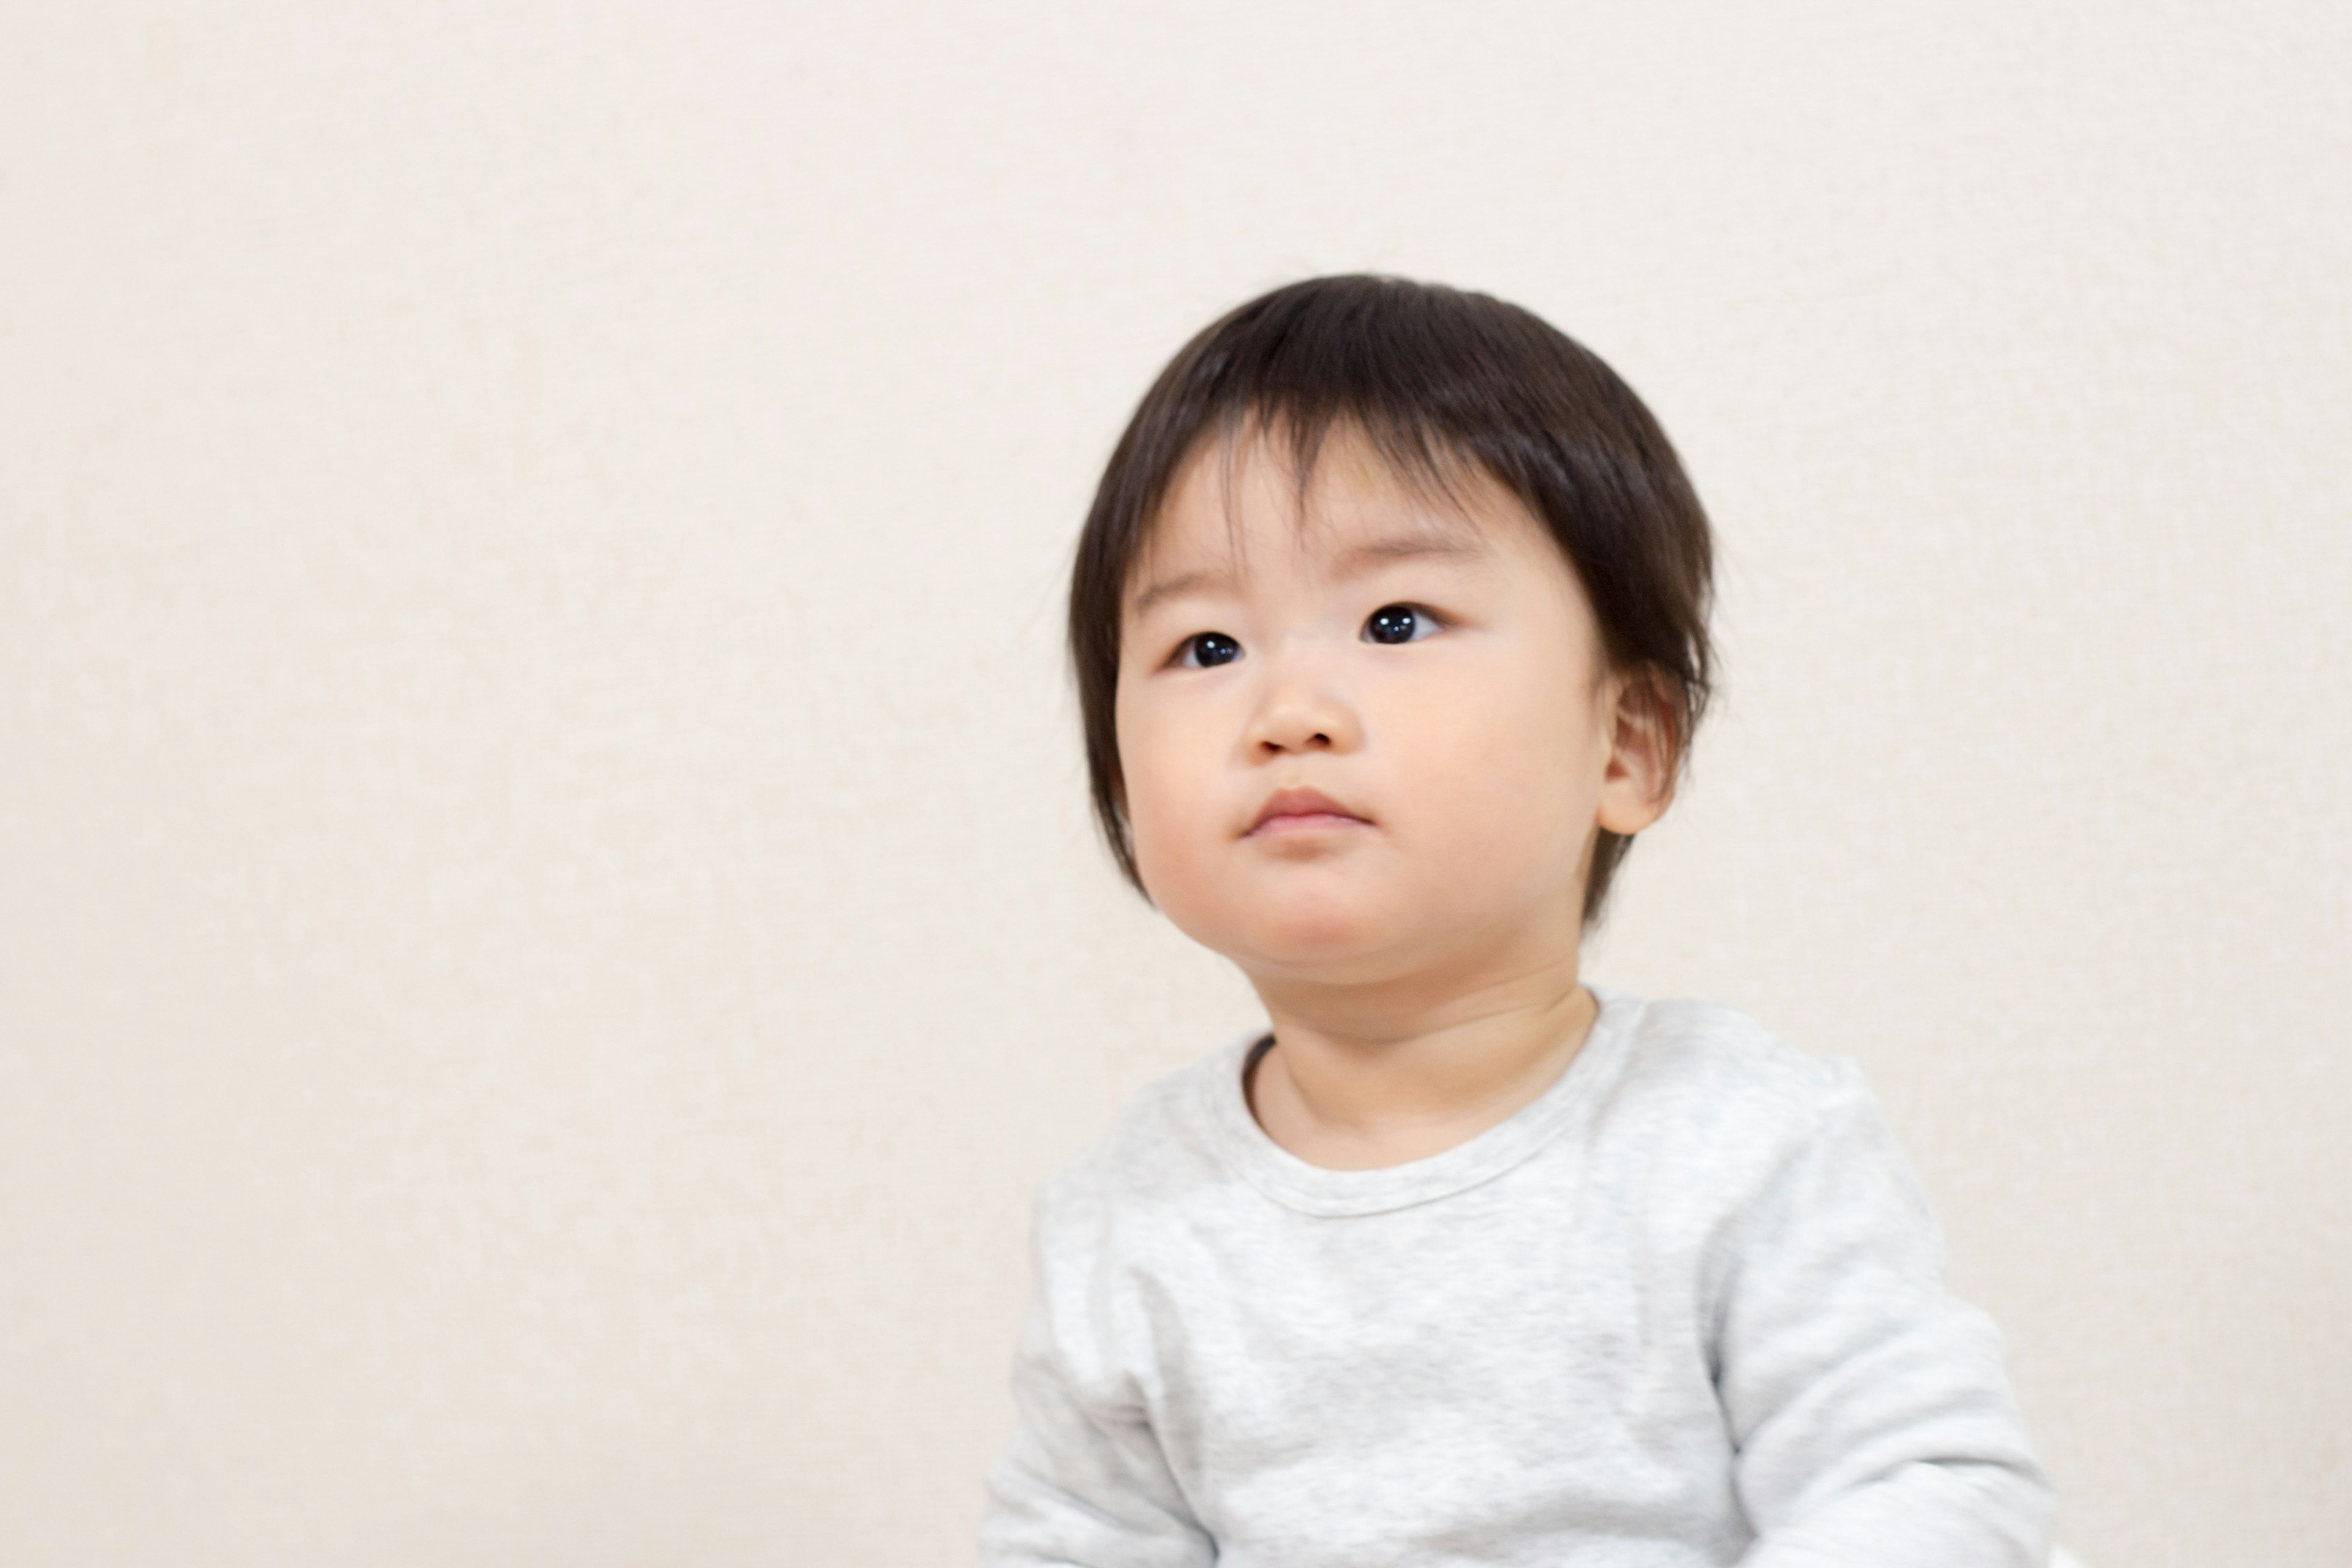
1407	451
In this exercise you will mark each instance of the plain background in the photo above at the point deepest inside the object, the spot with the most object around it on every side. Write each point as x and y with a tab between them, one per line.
548	923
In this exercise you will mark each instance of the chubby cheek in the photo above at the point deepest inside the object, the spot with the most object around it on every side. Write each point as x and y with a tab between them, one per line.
1496	794
1172	808
1169	852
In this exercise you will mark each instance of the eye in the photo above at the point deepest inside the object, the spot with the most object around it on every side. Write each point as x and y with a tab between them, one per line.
1205	650
1399	623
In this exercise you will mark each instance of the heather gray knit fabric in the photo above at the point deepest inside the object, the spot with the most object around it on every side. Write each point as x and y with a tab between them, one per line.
1687	1307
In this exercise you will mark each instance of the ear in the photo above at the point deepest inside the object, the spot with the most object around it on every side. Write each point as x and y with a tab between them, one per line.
1638	784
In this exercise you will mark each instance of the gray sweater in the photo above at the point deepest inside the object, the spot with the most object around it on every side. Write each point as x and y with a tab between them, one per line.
1686	1307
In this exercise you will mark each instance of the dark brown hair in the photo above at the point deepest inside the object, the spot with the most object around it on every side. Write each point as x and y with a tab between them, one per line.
1434	377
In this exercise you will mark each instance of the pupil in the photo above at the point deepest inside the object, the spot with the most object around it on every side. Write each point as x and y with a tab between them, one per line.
1392	625
1216	649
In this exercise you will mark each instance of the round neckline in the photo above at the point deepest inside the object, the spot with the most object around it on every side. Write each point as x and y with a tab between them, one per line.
1319	1190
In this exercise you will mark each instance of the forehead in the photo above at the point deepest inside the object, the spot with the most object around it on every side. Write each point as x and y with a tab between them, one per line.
1237	497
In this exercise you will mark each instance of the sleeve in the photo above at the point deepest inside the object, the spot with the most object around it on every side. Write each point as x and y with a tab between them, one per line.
1084	1484
1870	1411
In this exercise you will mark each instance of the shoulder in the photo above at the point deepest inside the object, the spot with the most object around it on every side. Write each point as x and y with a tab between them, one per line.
1720	1121
1161	1148
1685	1049
1715	1085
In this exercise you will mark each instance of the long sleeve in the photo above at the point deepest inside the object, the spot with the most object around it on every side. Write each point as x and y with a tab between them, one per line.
1084	1484
1871	1411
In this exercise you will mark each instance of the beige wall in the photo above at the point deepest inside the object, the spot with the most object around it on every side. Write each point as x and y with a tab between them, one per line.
547	921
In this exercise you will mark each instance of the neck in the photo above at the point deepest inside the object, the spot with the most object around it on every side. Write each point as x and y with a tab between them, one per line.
1366	1075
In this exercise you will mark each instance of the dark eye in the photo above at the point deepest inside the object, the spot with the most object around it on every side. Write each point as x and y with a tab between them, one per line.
1205	650
1399	623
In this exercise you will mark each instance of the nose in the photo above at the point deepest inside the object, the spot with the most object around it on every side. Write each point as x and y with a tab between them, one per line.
1300	709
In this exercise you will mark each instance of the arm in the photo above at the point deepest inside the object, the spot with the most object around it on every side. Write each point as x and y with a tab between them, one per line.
1084	1484
1872	1417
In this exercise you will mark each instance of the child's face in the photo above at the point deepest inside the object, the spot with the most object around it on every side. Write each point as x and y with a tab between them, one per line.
1433	670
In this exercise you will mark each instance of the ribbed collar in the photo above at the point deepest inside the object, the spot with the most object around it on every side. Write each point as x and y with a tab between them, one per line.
1311	1189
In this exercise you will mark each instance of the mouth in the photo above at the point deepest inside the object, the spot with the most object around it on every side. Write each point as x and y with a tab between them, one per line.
1290	811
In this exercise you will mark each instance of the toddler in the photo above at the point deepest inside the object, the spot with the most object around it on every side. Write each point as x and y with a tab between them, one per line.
1389	628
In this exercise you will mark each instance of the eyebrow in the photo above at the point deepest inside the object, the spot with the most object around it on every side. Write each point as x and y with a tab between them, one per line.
1354	563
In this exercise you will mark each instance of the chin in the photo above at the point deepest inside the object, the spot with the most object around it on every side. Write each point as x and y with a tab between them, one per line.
1325	936
1327	920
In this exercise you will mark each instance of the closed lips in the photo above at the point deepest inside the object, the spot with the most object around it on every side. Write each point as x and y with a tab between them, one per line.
1302	807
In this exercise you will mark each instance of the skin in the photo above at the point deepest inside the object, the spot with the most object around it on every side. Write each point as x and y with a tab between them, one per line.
1419	958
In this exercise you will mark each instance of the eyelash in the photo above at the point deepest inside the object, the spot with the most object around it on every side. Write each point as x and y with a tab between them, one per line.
1183	649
